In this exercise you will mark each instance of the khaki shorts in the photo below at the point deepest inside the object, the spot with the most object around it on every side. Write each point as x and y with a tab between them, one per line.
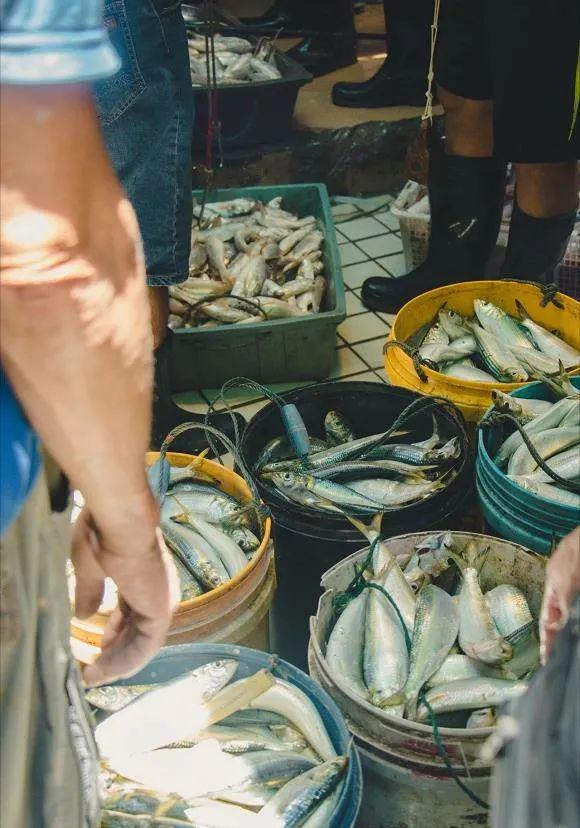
49	766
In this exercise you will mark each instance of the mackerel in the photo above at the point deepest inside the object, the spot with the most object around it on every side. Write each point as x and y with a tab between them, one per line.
550	419
547	443
500	324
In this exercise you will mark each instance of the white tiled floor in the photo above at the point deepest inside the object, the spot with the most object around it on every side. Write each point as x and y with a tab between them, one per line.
369	246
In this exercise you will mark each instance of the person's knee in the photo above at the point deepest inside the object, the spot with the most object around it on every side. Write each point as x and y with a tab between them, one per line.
545	190
468	125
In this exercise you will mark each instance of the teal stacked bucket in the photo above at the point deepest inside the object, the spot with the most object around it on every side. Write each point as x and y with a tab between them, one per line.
513	512
174	661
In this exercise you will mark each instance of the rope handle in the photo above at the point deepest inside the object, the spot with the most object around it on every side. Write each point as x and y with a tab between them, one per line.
548	292
413	354
496	416
210	430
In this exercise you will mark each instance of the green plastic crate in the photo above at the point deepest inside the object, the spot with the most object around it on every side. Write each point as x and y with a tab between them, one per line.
281	350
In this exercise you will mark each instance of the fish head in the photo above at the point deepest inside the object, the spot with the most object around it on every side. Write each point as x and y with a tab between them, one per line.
288	481
516	374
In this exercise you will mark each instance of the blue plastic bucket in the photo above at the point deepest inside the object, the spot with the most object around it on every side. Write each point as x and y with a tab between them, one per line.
513	512
173	661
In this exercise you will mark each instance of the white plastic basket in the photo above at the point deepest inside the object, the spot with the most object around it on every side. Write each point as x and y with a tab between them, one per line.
415	223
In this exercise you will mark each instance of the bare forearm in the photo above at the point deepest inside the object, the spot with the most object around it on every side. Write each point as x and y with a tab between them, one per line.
75	329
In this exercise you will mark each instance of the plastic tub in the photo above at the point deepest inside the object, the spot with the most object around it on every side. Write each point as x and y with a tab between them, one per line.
472	398
172	661
307	542
406	782
279	350
513	512
236	612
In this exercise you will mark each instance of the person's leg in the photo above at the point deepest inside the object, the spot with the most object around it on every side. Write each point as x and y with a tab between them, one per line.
466	184
402	79
335	45
147	117
534	64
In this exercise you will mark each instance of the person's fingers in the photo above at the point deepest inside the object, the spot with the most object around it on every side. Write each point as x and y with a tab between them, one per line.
553	617
116	624
90	578
128	653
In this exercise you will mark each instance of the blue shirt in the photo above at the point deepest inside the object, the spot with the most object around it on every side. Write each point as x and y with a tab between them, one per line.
42	42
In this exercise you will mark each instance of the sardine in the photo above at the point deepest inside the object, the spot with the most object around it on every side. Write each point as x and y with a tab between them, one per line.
213	814
385	660
500	324
453	324
566	465
548	342
535	362
465	346
345	645
196	554
464	369
549	492
436	335
470	694
391	493
293	804
524	410
458	667
482	718
289	701
434	633
509	609
497	356
114	697
166	713
551	418
546	443
228	550
478	635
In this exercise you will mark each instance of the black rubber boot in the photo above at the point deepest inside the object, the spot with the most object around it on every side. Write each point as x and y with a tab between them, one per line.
335	46
466	197
536	246
402	79
167	415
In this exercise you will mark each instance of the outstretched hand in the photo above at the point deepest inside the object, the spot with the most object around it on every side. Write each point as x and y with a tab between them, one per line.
562	587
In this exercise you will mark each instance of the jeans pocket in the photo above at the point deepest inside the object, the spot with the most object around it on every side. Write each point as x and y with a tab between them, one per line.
115	95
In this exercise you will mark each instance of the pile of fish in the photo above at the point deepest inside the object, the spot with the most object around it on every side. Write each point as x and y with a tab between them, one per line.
237	61
205	751
494	346
447	648
554	431
212	535
359	476
249	262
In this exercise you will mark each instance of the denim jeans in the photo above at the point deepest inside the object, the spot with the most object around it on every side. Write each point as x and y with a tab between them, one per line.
146	111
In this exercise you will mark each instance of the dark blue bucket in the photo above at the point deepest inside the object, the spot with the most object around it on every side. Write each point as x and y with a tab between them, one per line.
173	661
513	512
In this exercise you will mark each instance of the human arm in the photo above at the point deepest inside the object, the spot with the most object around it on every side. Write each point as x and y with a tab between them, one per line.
561	588
76	346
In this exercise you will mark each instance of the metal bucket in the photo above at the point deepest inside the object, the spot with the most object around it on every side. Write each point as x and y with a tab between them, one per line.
407	784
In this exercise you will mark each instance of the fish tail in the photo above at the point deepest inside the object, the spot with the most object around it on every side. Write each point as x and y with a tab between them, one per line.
367	531
411	707
391	701
474	556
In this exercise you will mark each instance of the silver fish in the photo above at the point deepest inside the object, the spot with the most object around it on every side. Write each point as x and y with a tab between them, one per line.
548	342
457	349
114	697
385	660
549	492
345	645
470	694
224	311
546	443
227	209
293	804
487	717
390	493
228	550
211	814
436	335
144	725
195	554
292	239
289	701
497	356
464	369
458	667
509	609
453	324
500	324
551	418
566	465
478	636
190	586
434	633
523	409
535	362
